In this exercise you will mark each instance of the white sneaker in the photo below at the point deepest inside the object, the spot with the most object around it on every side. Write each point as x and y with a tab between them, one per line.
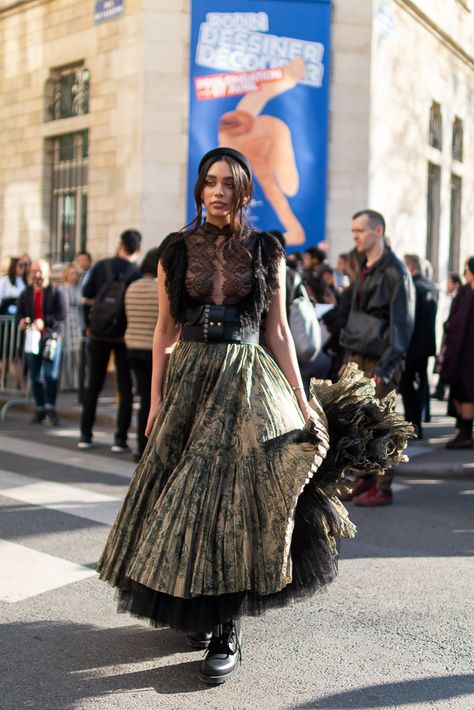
120	449
85	444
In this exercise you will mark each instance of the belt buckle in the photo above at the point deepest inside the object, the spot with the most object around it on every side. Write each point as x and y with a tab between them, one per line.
214	322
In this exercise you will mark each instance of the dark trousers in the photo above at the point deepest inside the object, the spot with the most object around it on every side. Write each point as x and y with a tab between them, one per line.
44	376
83	368
141	362
369	365
98	355
413	388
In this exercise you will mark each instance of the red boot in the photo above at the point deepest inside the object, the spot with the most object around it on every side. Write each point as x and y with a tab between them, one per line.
361	486
375	496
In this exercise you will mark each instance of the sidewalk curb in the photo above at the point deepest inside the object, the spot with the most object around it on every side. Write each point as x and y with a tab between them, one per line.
102	419
416	468
461	471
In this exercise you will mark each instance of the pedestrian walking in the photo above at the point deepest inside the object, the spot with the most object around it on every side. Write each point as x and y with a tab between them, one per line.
42	311
104	292
457	360
414	386
379	327
231	510
141	310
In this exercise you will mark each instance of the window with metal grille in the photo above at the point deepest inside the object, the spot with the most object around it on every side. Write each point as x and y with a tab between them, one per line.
457	142
455	224
433	216
70	154
436	126
67	92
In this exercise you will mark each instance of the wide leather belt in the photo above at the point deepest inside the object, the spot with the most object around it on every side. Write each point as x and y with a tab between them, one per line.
216	324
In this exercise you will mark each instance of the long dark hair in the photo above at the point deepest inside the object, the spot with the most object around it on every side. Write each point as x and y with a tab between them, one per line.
470	264
11	273
150	261
242	193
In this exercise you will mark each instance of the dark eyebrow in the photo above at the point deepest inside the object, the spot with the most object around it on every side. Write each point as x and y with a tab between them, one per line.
214	177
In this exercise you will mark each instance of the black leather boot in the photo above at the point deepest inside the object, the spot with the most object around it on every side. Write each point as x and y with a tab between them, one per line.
201	639
223	653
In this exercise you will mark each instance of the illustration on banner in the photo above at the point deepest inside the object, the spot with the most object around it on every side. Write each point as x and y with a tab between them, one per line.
259	95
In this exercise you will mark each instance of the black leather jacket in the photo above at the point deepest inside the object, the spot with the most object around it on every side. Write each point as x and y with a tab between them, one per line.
54	307
380	324
423	342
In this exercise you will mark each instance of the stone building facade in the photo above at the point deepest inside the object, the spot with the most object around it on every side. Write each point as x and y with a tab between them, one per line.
94	115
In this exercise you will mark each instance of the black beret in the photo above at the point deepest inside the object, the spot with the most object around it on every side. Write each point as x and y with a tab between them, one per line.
224	152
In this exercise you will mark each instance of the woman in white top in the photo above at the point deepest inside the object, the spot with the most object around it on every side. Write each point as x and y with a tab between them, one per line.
11	285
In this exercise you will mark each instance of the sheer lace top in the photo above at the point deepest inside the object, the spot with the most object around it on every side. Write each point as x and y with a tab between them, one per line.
219	267
212	266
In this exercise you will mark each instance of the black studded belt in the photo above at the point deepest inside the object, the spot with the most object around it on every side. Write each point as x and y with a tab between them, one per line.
216	324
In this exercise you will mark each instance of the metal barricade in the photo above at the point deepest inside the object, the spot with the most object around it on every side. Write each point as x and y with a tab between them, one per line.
14	387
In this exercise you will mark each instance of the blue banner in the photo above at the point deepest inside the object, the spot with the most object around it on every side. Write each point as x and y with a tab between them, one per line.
259	82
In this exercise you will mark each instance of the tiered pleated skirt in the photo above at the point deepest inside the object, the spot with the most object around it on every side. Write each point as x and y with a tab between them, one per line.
233	508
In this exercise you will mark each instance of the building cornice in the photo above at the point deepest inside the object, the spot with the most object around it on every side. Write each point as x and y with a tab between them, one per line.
9	7
412	9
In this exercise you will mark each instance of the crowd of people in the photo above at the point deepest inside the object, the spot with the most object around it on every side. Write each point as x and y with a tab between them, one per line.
372	308
381	312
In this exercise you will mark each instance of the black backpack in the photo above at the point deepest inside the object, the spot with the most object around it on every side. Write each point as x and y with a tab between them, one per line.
107	314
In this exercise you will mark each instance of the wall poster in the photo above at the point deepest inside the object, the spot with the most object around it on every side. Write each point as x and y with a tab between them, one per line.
259	82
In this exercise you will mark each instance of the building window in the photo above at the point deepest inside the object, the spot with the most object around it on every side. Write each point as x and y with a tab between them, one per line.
455	224
433	216
436	126
457	142
67	93
69	195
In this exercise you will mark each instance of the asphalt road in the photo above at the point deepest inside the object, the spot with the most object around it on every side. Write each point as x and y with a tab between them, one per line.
394	631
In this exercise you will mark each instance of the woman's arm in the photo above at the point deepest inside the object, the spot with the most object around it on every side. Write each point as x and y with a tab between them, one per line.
280	340
165	336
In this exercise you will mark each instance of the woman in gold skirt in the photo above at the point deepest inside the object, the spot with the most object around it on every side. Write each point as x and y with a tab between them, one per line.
234	506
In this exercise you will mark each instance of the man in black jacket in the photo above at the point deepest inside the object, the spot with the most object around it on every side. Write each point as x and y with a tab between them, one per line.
414	386
120	268
42	308
380	326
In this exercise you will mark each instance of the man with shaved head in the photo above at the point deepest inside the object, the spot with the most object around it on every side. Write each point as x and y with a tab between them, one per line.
42	308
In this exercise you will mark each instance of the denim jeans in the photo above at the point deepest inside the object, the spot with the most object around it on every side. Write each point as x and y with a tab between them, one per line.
44	376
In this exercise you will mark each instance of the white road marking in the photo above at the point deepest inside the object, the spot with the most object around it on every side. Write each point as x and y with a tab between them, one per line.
86	461
57	496
412	451
26	572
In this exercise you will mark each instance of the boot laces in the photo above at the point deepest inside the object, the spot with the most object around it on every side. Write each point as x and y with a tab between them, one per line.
226	642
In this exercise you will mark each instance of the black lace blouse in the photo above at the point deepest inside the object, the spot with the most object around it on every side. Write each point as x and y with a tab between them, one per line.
210	265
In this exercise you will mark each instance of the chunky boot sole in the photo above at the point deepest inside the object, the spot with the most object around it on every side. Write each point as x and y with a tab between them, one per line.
218	679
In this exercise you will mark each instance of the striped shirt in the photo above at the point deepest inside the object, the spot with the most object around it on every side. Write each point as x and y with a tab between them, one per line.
141	307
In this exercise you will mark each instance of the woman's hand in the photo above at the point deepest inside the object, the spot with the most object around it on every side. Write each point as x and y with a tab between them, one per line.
303	404
155	409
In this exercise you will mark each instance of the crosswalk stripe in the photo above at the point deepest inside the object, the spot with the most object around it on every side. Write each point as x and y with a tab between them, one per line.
45	452
58	496
27	572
